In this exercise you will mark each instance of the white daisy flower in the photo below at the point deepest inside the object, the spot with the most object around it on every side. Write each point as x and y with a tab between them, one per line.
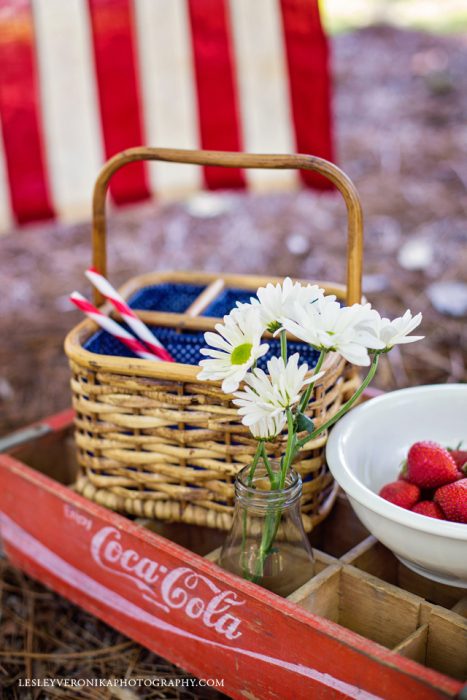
348	330
266	397
268	428
278	301
288	381
396	332
234	349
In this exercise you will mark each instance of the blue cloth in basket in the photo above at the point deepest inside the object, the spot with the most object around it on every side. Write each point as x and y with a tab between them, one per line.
226	301
168	296
185	347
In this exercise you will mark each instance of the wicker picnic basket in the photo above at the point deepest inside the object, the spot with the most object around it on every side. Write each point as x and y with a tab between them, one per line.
152	439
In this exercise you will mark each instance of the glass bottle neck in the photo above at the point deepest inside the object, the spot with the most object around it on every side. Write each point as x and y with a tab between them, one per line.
256	493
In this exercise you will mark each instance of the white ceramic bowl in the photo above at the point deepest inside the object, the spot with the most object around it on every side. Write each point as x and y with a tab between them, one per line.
364	452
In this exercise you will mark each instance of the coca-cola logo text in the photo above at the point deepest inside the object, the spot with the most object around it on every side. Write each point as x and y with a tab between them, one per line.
180	588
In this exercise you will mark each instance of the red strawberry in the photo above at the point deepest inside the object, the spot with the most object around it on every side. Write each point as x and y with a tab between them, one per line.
401	493
432	510
429	465
453	500
460	458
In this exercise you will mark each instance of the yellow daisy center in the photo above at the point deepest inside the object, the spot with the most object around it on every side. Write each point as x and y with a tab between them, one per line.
241	354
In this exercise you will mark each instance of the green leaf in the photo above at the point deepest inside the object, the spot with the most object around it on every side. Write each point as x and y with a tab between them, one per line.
304	423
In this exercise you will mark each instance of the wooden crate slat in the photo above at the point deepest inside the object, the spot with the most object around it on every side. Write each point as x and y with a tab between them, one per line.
374	558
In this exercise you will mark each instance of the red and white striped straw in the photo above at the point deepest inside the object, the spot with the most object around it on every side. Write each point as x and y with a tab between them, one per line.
112	327
128	315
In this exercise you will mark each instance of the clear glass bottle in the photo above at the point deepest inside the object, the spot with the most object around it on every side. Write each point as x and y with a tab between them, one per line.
267	543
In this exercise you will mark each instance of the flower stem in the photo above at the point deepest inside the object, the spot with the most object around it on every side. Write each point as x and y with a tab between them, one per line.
267	464
273	518
271	526
254	464
306	396
348	404
284	346
289	450
267	540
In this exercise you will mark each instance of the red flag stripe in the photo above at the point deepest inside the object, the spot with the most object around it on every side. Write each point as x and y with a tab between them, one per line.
119	93
309	80
20	114
216	89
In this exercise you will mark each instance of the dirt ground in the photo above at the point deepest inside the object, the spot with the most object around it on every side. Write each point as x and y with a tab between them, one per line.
401	116
401	129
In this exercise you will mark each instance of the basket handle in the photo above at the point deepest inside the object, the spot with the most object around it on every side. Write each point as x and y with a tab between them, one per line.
235	160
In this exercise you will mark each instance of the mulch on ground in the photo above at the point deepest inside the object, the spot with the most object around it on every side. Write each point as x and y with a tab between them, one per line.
43	636
401	115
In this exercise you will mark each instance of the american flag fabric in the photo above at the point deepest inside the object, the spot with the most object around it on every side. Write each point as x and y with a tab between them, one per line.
81	80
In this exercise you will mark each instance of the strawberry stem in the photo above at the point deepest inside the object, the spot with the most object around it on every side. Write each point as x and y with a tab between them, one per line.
403	471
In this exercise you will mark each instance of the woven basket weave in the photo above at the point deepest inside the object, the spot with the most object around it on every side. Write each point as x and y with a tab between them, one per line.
152	439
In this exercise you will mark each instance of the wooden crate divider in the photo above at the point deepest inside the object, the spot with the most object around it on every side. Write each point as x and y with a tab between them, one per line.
370	592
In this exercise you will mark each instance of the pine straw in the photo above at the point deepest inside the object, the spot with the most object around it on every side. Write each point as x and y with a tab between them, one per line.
44	636
401	131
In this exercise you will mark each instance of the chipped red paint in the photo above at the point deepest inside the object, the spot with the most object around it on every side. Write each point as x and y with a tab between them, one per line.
186	608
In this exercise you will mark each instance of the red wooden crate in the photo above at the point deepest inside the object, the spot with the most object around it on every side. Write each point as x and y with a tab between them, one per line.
356	630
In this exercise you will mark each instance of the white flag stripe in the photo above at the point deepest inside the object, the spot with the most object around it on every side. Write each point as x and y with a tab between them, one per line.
74	149
168	90
262	84
6	214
